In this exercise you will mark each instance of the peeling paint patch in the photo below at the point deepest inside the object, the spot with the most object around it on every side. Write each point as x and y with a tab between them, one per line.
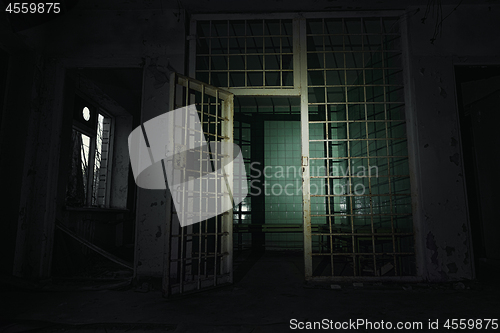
158	234
449	251
154	204
442	92
426	145
160	77
431	245
455	158
453	142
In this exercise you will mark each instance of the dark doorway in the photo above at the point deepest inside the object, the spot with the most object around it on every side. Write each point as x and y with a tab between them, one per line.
95	231
478	89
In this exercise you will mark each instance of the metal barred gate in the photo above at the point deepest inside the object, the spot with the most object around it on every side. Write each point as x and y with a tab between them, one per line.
199	256
347	71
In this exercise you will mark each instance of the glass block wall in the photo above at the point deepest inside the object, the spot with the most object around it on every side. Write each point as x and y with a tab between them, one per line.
283	182
360	186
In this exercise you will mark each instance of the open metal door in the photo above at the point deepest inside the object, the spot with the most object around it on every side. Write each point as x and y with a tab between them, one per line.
200	256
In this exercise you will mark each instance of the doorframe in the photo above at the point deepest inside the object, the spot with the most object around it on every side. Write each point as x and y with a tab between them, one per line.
301	89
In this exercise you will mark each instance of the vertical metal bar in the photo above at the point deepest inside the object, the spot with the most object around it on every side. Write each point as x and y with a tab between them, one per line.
166	289
205	253
281	54
201	184
348	142
183	196
192	49
227	54
246	55
326	146
300	42
299	59
227	218
263	53
191	142
368	146
216	167
396	268
210	81
206	237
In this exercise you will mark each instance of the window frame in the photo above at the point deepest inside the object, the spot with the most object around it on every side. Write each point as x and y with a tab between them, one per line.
99	110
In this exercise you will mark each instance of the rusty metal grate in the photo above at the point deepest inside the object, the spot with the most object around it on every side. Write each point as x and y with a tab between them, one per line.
245	53
361	213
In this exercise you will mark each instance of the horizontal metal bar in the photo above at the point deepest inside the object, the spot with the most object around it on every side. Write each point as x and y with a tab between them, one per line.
216	136
366	235
197	256
341	69
359	215
354	34
372	279
349	103
242	36
354	51
211	115
203	234
347	176
308	15
355	85
246	16
356	121
201	86
254	91
354	254
350	140
268	227
243	70
356	157
220	55
363	195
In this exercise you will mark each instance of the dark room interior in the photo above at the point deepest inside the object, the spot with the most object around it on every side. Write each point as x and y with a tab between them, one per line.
358	191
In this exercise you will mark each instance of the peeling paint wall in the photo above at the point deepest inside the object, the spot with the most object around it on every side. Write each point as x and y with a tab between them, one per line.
90	36
443	235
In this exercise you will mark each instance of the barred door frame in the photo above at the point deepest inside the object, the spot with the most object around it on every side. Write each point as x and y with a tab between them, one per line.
300	88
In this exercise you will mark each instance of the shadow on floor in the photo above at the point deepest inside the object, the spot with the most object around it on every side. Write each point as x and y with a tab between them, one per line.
269	295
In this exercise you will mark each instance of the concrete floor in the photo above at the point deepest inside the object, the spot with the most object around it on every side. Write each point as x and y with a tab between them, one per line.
265	299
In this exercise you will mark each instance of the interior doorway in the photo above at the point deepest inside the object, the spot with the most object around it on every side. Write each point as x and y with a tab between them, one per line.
478	90
95	226
270	218
346	77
